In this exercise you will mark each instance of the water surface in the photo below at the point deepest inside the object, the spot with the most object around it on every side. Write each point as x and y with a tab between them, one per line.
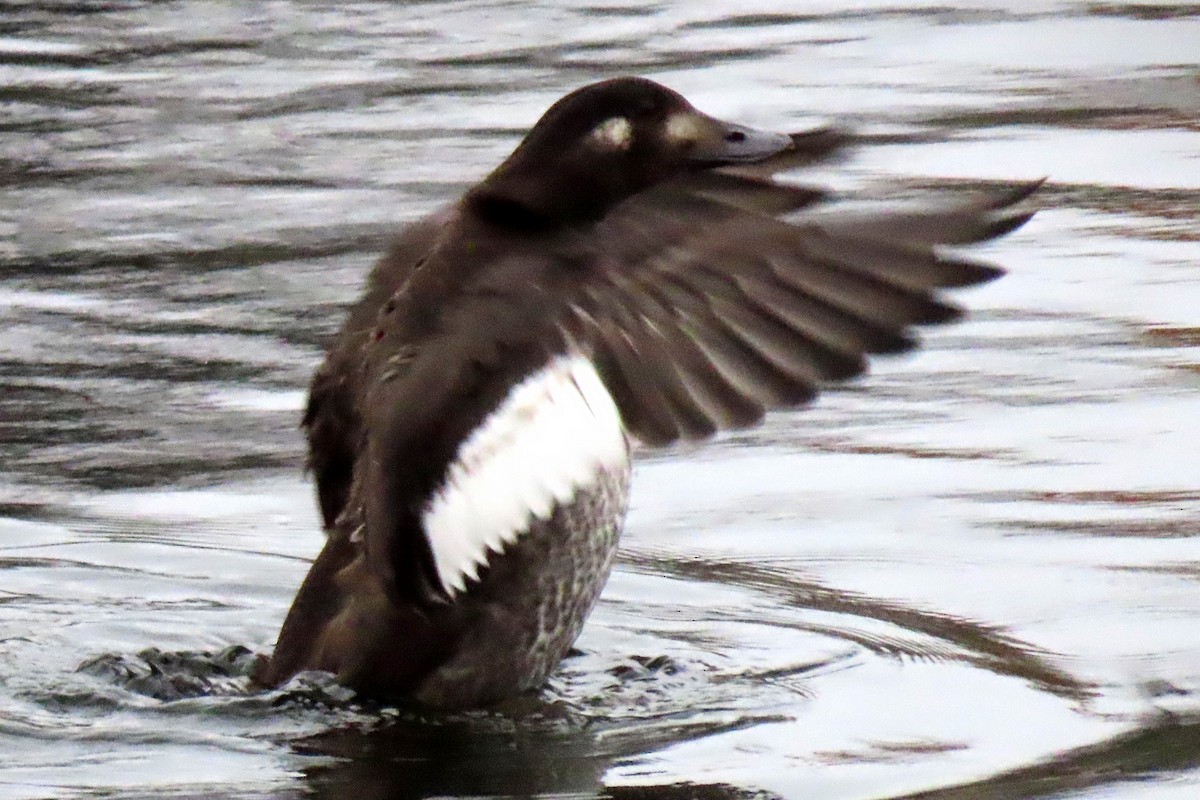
974	574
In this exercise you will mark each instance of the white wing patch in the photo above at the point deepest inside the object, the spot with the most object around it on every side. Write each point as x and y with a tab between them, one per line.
549	438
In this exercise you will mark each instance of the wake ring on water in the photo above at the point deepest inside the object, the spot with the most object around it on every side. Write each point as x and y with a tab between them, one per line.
177	675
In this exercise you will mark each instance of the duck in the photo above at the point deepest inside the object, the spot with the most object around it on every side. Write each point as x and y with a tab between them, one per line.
633	274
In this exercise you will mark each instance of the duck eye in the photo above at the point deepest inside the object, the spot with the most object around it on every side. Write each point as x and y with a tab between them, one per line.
735	137
615	133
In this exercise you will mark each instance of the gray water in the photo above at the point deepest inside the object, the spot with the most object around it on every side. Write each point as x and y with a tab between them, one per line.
973	574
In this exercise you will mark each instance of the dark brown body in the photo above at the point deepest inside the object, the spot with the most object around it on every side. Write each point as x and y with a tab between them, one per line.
502	638
332	419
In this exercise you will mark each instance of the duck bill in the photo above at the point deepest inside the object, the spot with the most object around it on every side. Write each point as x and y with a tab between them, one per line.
713	142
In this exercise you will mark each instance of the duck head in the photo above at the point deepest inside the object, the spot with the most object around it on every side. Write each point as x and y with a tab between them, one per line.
604	143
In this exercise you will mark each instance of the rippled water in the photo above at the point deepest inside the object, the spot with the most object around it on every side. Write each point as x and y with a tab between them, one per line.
975	574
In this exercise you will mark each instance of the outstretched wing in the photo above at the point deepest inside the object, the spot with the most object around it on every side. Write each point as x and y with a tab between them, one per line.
712	309
698	313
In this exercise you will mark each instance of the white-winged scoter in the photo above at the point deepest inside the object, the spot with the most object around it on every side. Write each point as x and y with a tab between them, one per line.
625	273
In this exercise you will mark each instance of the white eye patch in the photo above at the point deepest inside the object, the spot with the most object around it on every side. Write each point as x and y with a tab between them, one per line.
682	128
615	133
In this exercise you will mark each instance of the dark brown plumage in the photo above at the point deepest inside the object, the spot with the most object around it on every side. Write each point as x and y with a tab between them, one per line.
634	232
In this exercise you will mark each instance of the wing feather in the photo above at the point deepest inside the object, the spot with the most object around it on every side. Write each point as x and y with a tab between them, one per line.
710	309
